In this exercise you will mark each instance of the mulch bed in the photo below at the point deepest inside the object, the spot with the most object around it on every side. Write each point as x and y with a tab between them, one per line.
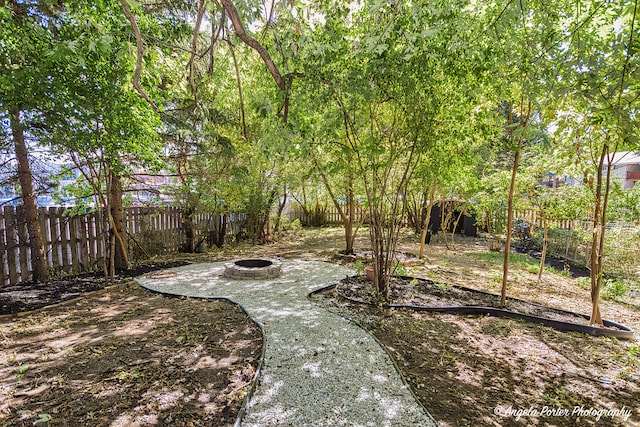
427	293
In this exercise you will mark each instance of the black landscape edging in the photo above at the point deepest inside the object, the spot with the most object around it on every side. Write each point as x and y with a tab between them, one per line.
621	331
393	360
254	381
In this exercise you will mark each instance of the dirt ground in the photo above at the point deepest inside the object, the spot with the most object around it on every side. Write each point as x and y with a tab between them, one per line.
128	357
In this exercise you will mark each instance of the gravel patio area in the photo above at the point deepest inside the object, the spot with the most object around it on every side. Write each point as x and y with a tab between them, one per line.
319	368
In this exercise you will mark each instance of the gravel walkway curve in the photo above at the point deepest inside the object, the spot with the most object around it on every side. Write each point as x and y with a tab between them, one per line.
319	369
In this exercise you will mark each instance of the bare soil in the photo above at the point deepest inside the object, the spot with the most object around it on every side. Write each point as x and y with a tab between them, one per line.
129	357
26	297
463	367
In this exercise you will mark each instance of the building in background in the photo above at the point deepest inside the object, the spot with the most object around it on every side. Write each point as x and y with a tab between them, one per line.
626	167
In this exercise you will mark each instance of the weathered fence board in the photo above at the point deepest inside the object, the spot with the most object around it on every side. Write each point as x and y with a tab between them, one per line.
12	243
23	243
4	264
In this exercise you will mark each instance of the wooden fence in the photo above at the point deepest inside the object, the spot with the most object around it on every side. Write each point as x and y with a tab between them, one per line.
329	215
77	244
533	217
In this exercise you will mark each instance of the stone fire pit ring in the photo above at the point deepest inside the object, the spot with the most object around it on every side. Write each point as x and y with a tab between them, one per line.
253	269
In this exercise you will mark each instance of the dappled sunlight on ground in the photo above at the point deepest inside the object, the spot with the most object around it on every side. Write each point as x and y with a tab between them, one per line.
309	352
129	358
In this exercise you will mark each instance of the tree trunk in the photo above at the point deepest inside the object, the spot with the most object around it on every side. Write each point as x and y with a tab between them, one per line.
39	265
545	242
349	234
245	129
507	245
524	121
427	219
281	206
187	228
455	227
447	215
118	224
220	230
596	257
346	217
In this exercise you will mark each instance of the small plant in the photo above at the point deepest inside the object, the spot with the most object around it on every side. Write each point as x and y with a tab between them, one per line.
21	371
42	418
359	267
613	288
414	282
400	270
533	269
443	286
375	298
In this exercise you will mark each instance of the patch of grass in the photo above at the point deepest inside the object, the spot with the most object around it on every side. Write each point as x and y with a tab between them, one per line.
496	277
584	282
561	397
565	273
498	257
613	288
497	327
443	286
533	269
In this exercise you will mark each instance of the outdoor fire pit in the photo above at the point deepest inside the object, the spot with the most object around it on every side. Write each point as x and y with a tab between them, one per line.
253	269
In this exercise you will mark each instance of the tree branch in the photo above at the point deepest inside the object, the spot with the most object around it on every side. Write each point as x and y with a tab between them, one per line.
140	54
252	43
194	50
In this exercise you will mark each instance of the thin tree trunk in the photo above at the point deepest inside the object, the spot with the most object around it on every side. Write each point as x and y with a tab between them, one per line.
139	55
118	225
245	131
252	43
346	217
194	51
524	121
446	221
349	234
39	265
187	228
281	206
427	219
545	242
507	245
597	245
455	226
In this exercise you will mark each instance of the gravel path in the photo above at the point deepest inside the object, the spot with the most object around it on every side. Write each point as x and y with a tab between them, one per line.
319	369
